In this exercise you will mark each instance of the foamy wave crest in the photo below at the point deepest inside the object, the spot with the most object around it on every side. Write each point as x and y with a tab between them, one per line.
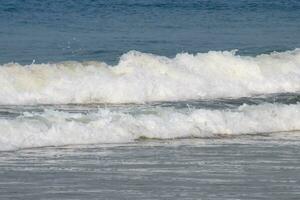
54	128
141	77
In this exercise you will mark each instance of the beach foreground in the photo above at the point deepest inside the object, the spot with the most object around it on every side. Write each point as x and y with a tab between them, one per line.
246	167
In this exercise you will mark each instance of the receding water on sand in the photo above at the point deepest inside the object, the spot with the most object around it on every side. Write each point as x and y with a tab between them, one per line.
245	167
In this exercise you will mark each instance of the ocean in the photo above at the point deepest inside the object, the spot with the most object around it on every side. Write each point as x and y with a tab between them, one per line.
149	99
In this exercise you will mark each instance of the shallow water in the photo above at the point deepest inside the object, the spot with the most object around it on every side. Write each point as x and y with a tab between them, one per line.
210	165
246	167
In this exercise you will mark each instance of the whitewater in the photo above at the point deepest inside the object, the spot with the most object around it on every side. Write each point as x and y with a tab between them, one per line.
143	77
56	126
146	96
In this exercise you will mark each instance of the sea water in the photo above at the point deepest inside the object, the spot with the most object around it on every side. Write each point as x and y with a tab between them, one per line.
149	99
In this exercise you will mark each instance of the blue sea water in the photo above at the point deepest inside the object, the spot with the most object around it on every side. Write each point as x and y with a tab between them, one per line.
51	31
149	99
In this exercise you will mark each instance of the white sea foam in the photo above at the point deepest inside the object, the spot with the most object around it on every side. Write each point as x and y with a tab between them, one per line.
105	126
141	77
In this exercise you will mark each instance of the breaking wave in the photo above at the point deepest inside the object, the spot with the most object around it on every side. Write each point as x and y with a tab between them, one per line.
141	77
54	128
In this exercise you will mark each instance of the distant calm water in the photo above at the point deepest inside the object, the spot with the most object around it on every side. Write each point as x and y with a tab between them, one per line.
50	31
148	99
